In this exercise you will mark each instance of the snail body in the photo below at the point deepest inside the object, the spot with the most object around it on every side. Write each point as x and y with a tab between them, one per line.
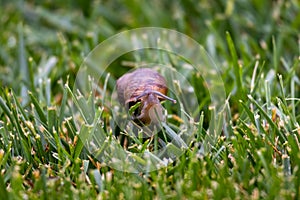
148	87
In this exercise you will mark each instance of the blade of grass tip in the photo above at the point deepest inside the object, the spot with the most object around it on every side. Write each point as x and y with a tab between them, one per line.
145	145
221	120
228	120
275	54
20	108
237	69
295	79
269	120
102	150
46	68
85	133
26	148
104	88
268	96
260	76
289	123
76	102
71	126
282	107
48	91
218	153
78	148
23	64
252	84
293	97
200	127
13	116
38	109
39	140
91	99
31	74
52	119
286	165
57	146
5	154
40	93
63	106
209	137
4	134
46	138
248	131
282	93
257	123
61	151
6	109
248	111
86	107
85	164
175	138
98	180
294	141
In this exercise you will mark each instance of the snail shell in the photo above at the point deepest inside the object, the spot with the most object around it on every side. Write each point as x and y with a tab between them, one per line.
147	86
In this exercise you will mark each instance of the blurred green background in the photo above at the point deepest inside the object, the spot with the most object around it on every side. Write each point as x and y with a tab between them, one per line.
32	32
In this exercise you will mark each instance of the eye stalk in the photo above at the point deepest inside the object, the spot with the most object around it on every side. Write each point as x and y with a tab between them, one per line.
147	92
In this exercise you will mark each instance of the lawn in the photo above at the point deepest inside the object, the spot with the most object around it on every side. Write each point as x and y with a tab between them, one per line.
232	66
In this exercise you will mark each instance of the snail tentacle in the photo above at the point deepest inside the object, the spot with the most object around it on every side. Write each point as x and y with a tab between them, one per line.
134	99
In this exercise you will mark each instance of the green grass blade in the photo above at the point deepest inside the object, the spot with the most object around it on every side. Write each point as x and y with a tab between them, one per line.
237	69
269	120
38	109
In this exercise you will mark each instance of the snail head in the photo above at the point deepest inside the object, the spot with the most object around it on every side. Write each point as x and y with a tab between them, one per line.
150	109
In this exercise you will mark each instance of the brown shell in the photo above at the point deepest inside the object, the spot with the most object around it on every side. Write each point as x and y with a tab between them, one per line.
147	86
133	84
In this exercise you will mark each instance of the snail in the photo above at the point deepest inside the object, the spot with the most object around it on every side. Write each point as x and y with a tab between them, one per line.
147	87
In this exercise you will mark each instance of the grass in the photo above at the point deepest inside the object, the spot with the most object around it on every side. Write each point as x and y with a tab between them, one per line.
45	154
